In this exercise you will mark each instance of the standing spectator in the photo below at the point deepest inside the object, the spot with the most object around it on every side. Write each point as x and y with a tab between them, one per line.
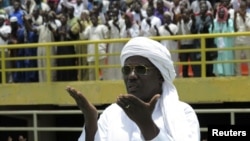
5	31
46	33
17	37
79	6
223	24
30	37
115	25
201	24
137	11
37	18
83	22
242	24
65	34
96	31
195	6
169	29
148	24
184	25
18	12
160	10
226	3
131	28
235	4
29	6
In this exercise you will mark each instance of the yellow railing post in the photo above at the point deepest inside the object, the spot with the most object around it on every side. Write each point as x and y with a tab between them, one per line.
96	62
48	67
3	70
203	57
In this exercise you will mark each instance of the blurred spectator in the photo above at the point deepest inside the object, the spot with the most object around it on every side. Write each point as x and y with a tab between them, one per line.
223	24
160	10
131	28
18	12
30	37
82	49
195	6
17	37
21	138
201	24
96	31
9	138
5	31
137	11
115	25
79	6
65	34
46	33
148	24
29	6
184	25
242	24
168	28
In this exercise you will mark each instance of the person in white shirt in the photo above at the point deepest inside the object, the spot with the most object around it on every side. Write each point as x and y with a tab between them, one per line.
5	31
169	29
138	12
148	24
151	109
96	31
235	4
131	28
184	25
242	24
115	25
79	6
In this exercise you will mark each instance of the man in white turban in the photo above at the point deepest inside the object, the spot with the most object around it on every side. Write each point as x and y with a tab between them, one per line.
151	110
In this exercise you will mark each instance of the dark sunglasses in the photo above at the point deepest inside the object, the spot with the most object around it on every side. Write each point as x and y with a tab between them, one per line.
140	69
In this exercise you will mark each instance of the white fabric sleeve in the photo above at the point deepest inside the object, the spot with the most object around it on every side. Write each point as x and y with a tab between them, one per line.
82	136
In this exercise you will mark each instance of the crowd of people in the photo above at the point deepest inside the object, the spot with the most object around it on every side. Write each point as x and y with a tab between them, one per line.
32	21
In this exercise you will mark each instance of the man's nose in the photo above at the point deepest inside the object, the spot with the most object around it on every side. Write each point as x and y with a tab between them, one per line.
132	74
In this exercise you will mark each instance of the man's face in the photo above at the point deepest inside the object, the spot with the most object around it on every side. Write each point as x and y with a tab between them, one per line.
203	8
94	20
221	14
150	11
140	82
16	5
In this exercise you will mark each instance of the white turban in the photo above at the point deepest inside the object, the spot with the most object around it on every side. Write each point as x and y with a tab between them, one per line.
173	114
13	19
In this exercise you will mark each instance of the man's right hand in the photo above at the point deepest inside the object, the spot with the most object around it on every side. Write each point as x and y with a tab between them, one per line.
89	111
85	106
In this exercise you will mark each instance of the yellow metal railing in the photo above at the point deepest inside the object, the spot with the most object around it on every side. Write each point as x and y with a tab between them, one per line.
194	90
49	56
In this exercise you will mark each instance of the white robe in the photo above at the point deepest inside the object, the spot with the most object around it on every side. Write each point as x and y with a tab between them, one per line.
115	73
171	44
148	31
99	32
115	125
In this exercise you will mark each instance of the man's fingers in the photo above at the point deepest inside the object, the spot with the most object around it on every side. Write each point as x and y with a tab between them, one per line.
123	101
